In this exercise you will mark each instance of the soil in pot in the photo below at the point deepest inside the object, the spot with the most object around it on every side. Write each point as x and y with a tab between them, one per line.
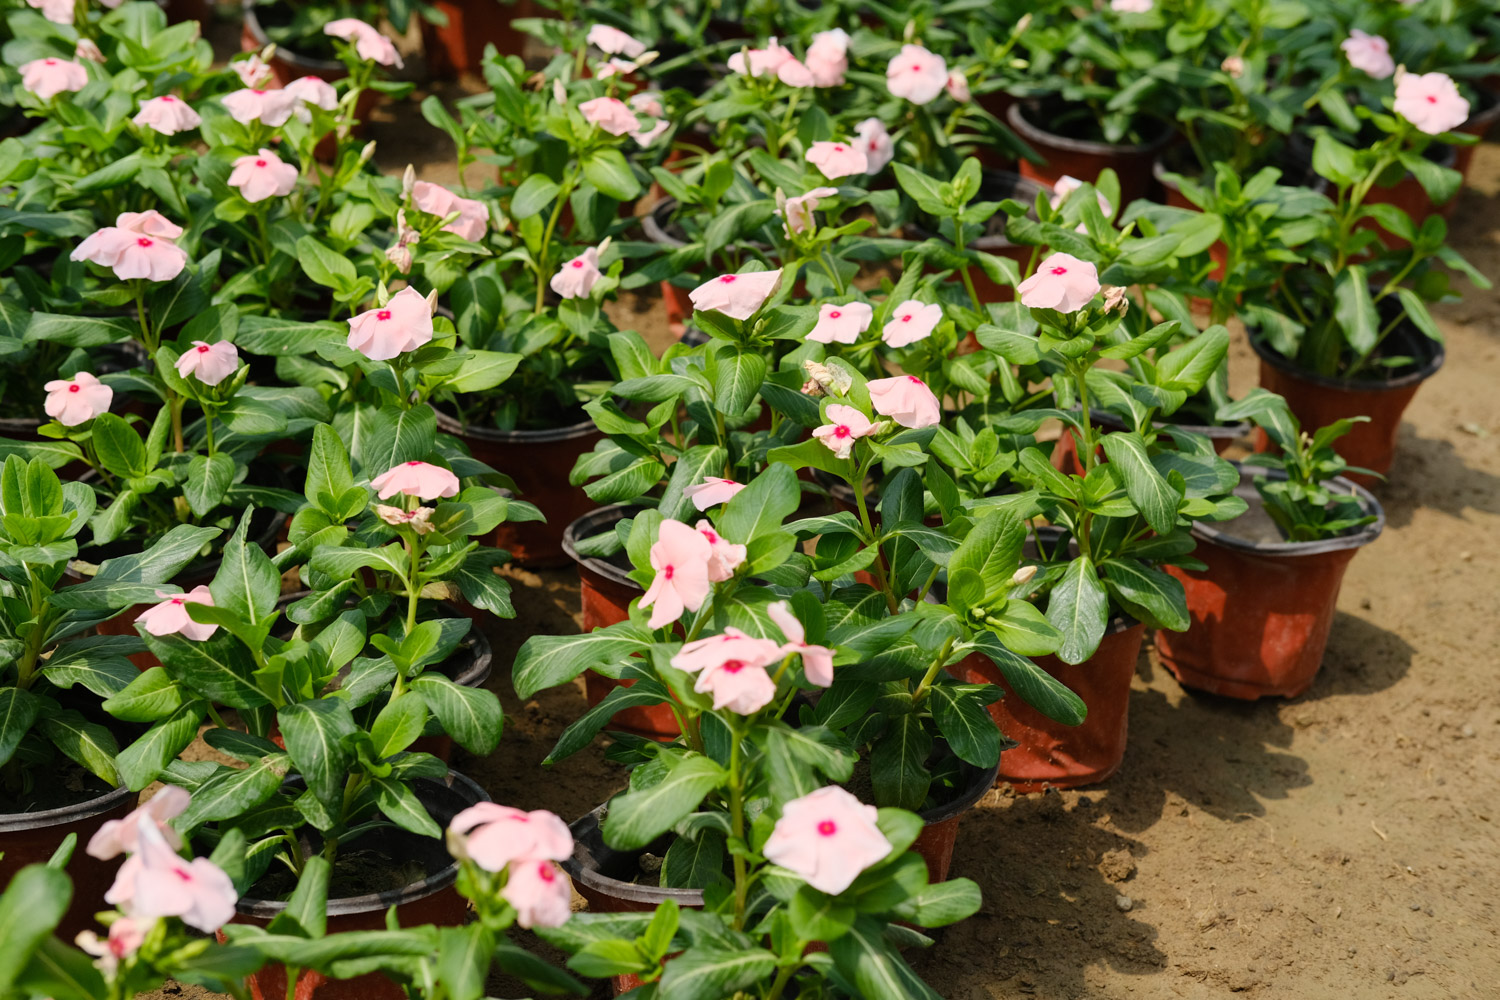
1262	609
1070	145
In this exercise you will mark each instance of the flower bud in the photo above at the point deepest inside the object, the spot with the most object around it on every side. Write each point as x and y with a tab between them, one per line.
408	181
559	92
367	153
87	50
1022	576
1234	66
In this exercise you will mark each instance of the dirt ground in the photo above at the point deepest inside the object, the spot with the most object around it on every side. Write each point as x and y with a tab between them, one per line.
1339	845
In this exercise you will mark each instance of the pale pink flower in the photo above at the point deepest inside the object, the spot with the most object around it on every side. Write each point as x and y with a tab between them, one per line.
131	254
906	400
1066	185
724	556
614	67
56	11
648	103
159	883
958	87
211	363
1131	6
680	558
87	51
910	322
827	837
817	661
794	74
148	223
878	146
1063	282
415	479
125	938
1234	66
167	115
171	617
743	688
419	520
403	324
847	425
540	893
368	43
916	74
762	62
269	107
1369	53
838	159
611	114
733	646
841	324
615	42
473	218
46	78
1431	102
577	277
737	296
826	73
798	211
712	492
493	836
263	176
313	90
828	57
122	836
253	72
77	400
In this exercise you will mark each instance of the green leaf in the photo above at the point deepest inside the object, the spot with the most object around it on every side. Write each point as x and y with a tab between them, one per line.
535	193
581	732
1079	608
546	661
33	904
306	912
942	904
402	807
961	717
640	815
398	435
709	972
738	381
87	743
1189	367
1354	309
898	764
144	760
328	465
761	507
18	711
694	862
234	791
324	266
472	716
607	170
464	960
874	967
398	725
1152	495
119	447
314	732
218	668
1159	594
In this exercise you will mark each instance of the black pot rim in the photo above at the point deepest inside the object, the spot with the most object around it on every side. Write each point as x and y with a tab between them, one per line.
1206	532
583	869
87	809
1016	117
308	65
373	902
656	231
593	523
1425	345
552	435
981	780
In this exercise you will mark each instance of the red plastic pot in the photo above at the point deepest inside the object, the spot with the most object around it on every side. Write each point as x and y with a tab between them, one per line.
1408	195
1049	754
30	839
539	463
1082	158
940	833
1065	451
458	47
1318	400
1261	611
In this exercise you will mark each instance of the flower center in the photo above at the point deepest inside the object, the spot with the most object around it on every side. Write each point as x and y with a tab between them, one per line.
728	278
713	539
260	163
667	571
177	601
733	666
168	99
1059	270
838	149
203	349
545	873
827	828
842	431
75	387
182	874
906	318
835	314
913	378
51	62
916	67
1431	99
578	263
143	242
384	314
387	316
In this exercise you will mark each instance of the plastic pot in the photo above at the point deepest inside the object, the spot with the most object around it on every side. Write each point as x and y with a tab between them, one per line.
995	185
432	900
1049	754
1065	451
30	838
607	591
539	463
1319	400
1262	609
458	47
935	842
1083	158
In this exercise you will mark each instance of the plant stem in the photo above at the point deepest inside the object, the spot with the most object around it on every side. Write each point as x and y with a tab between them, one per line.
878	566
737	827
932	672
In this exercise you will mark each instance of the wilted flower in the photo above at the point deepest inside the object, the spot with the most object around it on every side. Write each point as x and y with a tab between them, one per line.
87	51
828	377
419	520
797	212
253	72
473	217
724	556
958	87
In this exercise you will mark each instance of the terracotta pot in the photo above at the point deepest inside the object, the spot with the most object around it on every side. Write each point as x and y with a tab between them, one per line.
1318	400
996	185
936	841
1050	754
458	47
1261	611
1408	195
607	593
539	462
30	838
1486	112
1065	451
1173	196
433	900
1082	158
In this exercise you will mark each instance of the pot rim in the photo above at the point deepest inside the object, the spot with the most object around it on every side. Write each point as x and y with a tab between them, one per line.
600	516
981	780
584	869
267	909
1017	119
1364	536
306	64
551	435
1435	352
655	231
87	809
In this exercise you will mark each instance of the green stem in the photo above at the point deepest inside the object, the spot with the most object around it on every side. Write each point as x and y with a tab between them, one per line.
932	672
208	430
545	253
878	566
783	975
737	828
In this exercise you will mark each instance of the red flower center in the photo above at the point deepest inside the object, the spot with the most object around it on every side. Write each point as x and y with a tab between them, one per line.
143	242
384	314
1059	270
257	91
260	163
733	666
728	278
842	431
168	99
578	263
916	67
75	387
667	571
545	873
828	828
203	349
409	463
1431	99
182	874
835	314
177	601
713	539
51	62
838	149
906	318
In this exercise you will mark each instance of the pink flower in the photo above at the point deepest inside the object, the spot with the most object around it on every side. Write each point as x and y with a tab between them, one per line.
1234	66
1065	186
313	90
253	72
171	617
958	87
148	223
910	322
540	893
828	57
269	107
46	78
826	73
828	837
403	324
798	211
1131	6
817	661
87	51
611	114
122	836
156	882
415	479
916	74
493	836
576	278
1063	282
77	400
712	492
132	254
1369	53
841	324
724	556
906	400
762	62
56	11
369	43
1431	102
615	67
167	115
794	74
680	558
734	646
125	938
473	218
838	159
647	103
737	296
615	42
742	688
262	176
879	148
211	363
848	425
